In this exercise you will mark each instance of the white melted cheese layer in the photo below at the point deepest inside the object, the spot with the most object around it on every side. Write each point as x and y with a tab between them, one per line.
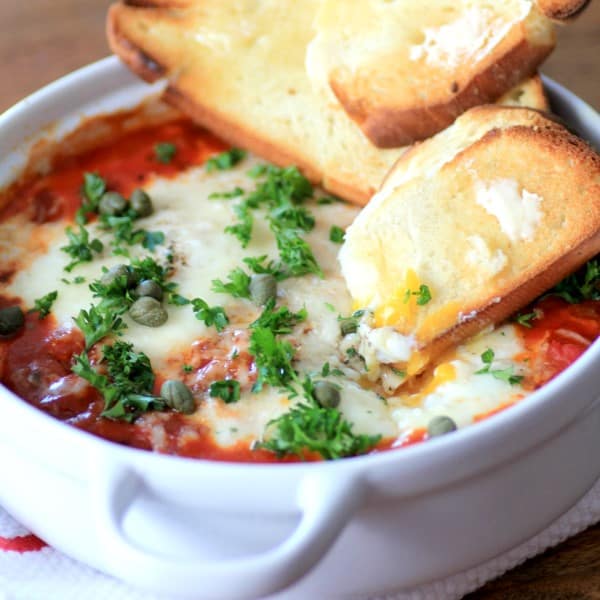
517	212
193	225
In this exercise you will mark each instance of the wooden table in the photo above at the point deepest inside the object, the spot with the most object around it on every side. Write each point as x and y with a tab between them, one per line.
43	39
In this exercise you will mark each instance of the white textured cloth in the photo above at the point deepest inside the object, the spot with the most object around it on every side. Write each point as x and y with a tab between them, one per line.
36	572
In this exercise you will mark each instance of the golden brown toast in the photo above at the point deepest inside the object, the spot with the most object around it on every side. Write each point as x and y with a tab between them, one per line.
246	80
488	214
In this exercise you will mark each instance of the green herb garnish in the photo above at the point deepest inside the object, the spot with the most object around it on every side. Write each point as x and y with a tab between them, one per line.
310	427
234	193
279	321
525	319
44	304
165	152
127	385
96	323
92	191
211	315
80	248
238	286
243	229
507	374
581	285
336	234
273	359
281	193
228	390
423	295
225	160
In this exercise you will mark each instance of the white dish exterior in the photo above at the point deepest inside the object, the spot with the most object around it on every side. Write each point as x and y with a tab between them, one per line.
369	525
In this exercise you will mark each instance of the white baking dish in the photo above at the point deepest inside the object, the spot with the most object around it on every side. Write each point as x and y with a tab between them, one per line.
353	528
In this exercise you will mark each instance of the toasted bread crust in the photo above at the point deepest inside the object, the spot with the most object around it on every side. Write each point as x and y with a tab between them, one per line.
389	127
519	297
562	10
150	62
139	61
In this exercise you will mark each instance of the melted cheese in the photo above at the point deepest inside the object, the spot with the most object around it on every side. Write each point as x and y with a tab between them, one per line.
518	213
193	225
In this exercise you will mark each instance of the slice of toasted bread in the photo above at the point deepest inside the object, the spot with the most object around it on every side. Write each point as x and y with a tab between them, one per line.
405	70
245	79
488	214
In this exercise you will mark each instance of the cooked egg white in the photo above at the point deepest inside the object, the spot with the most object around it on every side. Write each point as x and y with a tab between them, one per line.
194	228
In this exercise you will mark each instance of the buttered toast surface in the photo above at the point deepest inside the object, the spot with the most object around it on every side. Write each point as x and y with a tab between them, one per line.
256	85
485	216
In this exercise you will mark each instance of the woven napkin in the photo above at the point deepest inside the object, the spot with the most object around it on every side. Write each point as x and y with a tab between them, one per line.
31	570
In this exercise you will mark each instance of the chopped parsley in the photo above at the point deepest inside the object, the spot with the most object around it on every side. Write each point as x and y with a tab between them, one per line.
273	359
92	191
187	368
525	319
225	160
281	192
211	315
127	385
77	280
44	304
507	374
336	234
125	234
279	321
178	300
296	255
349	324
98	322
581	285
234	193
80	248
238	286
328	200
165	152
423	295
228	390
260	265
313	428
243	229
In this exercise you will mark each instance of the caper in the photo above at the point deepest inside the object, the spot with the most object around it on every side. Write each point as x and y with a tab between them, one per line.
112	203
148	311
141	203
148	287
178	396
263	287
327	394
115	273
11	319
440	425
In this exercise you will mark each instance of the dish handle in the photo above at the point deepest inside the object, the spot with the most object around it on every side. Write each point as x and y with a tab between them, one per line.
326	504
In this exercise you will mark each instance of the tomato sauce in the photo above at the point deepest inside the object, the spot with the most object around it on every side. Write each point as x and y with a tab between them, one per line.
128	162
36	362
559	335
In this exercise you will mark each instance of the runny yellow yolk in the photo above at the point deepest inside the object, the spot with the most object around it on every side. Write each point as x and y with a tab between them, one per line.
401	309
443	373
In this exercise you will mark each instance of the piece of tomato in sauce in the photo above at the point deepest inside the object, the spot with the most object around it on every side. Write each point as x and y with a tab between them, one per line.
558	336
